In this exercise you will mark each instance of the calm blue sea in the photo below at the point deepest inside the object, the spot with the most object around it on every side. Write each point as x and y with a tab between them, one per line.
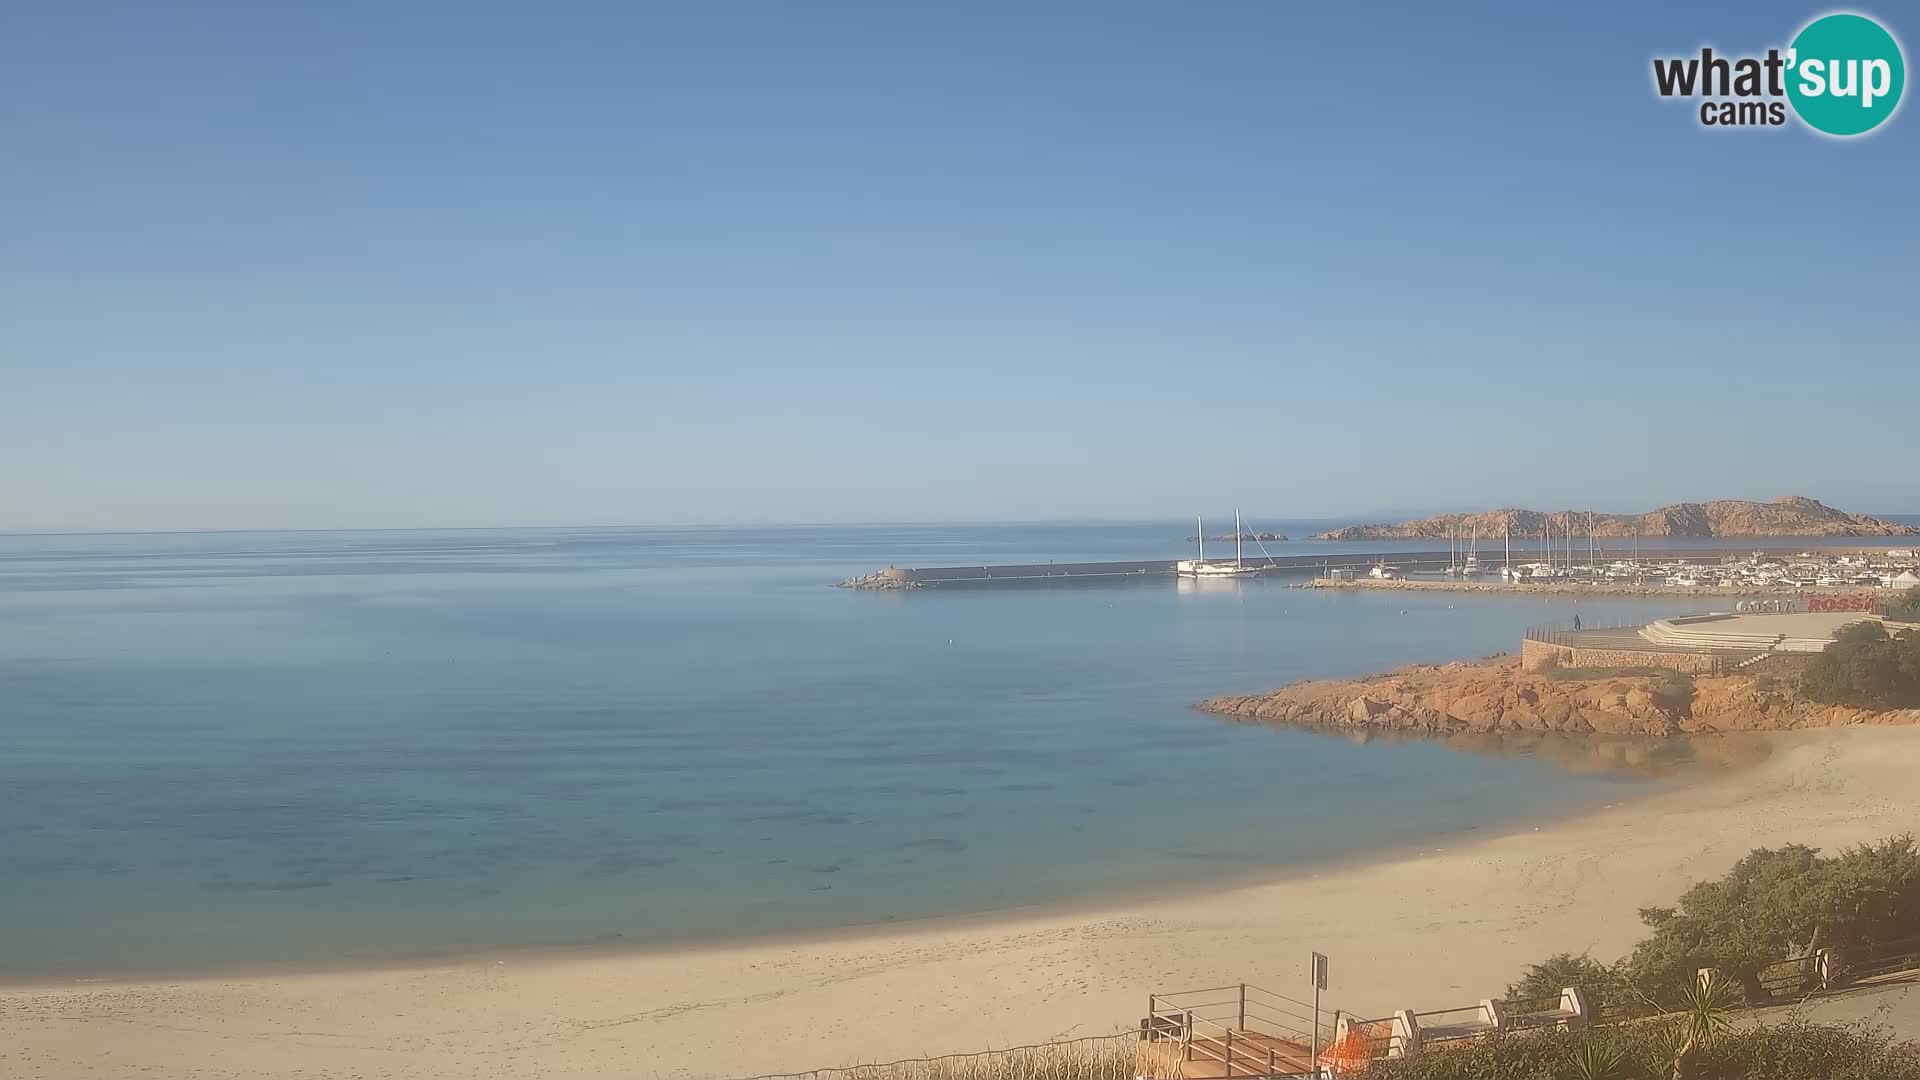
242	750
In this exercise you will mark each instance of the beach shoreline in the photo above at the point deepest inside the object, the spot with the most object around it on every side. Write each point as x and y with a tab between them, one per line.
971	982
1636	784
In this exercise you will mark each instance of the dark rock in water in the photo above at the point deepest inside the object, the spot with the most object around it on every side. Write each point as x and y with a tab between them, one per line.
1247	537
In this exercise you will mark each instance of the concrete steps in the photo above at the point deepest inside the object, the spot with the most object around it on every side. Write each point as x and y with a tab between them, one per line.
1760	633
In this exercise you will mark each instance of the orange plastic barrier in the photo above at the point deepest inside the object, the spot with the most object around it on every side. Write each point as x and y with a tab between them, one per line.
1351	1050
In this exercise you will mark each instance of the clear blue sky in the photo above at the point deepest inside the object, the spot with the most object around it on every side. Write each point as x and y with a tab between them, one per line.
371	264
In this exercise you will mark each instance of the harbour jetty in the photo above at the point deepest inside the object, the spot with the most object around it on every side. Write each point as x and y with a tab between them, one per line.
1058	573
1318	568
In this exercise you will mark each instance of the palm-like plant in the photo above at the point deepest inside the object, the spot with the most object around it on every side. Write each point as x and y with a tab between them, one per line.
1596	1059
1704	1012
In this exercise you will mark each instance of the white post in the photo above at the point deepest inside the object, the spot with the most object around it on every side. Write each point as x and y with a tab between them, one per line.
1313	1051
1318	972
1407	1032
1573	1002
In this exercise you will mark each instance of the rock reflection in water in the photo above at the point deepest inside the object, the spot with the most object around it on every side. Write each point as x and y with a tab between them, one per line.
1642	756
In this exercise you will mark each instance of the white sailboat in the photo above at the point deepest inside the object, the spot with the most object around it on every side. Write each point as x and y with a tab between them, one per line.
1201	568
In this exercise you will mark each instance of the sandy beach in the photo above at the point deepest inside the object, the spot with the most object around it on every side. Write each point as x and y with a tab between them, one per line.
1426	929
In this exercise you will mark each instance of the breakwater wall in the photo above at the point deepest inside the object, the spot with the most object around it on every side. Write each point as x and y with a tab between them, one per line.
1318	565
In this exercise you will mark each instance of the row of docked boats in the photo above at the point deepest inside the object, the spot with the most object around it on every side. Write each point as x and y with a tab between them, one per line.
1758	570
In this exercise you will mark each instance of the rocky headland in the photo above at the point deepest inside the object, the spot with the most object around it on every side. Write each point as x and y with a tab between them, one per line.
1792	515
1493	697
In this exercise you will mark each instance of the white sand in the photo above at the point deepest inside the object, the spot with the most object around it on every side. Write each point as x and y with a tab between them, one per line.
1429	930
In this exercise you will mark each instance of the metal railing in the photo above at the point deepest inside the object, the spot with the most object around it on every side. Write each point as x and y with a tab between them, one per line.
1442	1026
1887	958
1566	634
1545	1011
1244	1030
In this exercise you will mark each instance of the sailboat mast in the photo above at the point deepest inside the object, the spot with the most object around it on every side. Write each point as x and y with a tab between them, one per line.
1200	534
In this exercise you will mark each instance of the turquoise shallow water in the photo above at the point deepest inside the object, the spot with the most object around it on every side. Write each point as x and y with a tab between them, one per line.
241	750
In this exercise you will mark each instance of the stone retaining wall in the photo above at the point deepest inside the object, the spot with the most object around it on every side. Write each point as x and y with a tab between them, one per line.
1539	655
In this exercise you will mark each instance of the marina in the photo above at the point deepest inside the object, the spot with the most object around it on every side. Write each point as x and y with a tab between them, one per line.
1742	568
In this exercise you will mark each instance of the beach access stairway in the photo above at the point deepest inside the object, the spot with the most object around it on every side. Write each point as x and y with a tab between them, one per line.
1234	1032
1243	1032
1354	1041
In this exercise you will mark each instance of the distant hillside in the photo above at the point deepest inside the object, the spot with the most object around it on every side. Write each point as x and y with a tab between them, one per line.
1792	515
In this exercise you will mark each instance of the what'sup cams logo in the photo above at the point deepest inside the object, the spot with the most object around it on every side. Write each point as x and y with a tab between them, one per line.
1842	76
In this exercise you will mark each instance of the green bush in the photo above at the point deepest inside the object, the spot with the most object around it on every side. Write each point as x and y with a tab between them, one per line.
1094	1058
1797	1048
1606	990
1906	606
1775	905
1643	1051
1867	667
